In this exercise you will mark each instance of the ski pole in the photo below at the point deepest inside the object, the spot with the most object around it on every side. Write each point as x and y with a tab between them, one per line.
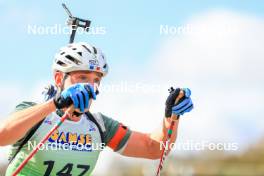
68	112
174	118
75	22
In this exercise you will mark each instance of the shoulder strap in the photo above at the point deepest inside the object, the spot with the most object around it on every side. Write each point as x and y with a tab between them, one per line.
92	118
25	140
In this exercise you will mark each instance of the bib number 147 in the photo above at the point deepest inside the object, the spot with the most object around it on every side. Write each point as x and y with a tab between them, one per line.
66	170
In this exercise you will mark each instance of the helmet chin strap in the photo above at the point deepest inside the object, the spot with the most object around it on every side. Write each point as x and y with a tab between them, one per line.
65	76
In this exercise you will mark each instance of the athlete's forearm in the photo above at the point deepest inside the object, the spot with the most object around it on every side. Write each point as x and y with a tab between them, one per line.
147	145
18	123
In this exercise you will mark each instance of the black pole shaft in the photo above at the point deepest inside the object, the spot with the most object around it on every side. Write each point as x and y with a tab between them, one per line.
73	30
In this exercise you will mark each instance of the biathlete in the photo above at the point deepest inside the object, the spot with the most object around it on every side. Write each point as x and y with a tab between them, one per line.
73	149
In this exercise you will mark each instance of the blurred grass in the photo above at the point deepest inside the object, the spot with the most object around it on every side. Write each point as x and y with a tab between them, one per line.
206	163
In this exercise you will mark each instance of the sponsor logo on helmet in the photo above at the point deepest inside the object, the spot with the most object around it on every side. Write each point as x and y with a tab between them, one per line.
93	62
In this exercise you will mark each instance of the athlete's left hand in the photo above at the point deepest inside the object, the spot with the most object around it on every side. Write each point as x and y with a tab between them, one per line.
184	105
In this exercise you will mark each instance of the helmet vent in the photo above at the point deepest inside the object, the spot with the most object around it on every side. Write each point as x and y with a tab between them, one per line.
80	53
62	53
61	63
104	66
73	59
87	49
74	48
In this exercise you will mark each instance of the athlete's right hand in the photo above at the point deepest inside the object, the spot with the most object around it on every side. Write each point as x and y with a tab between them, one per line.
78	94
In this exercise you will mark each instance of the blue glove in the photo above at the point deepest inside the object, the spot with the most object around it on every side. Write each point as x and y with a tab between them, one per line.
78	95
185	104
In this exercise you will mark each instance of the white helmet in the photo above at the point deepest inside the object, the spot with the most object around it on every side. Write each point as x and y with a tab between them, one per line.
80	57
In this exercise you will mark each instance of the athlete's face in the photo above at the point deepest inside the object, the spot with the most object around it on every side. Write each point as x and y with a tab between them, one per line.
77	77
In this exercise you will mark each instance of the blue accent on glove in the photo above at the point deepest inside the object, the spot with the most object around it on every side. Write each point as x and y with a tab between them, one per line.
79	95
186	105
187	92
